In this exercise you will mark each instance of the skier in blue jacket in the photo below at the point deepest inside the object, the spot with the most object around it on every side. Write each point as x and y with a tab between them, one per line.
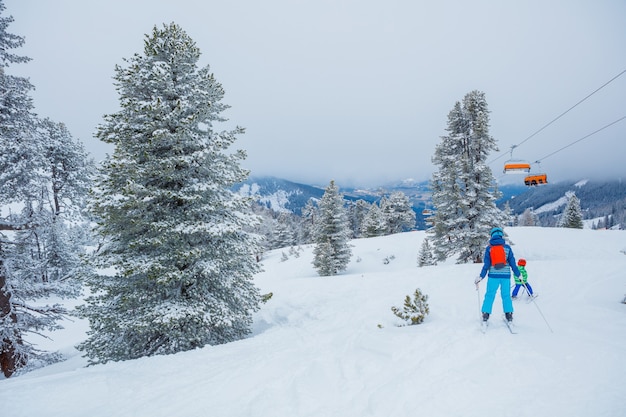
499	274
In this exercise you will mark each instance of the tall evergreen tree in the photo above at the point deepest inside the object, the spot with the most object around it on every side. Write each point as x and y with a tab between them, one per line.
43	181
332	250
572	215
173	230
464	191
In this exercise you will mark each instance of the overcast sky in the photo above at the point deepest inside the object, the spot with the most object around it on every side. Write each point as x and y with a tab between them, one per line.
356	90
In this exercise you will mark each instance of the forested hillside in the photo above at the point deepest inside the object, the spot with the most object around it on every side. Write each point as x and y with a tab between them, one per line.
604	201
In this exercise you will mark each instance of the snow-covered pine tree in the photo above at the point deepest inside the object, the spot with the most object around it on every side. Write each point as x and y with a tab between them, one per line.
69	174
49	248
332	250
398	213
19	152
284	234
357	211
264	228
324	258
43	182
425	256
572	215
508	213
310	215
374	224
528	218
173	230
464	191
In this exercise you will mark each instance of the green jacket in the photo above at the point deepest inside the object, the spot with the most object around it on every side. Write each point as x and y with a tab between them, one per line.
523	277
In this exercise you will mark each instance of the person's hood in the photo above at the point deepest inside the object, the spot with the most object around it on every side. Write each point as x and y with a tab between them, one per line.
497	240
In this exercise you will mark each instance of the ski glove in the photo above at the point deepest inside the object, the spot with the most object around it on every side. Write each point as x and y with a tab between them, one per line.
478	279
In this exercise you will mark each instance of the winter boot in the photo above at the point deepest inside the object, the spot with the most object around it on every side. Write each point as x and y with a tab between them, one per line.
509	316
485	316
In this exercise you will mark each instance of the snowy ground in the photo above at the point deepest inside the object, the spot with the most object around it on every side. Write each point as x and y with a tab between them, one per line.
332	347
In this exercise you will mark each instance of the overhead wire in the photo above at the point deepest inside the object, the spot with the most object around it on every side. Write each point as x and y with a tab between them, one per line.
538	161
584	137
563	114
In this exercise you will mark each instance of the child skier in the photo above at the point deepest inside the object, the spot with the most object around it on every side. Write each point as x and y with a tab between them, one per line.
522	280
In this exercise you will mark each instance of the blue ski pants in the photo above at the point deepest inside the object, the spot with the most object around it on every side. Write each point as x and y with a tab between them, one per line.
492	287
518	286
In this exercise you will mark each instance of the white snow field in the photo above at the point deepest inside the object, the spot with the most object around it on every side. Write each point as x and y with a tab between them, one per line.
330	346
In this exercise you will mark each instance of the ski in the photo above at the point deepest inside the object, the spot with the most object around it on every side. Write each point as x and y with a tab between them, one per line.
531	298
509	325
483	326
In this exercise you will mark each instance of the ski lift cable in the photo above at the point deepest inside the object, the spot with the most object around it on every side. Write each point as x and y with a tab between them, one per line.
538	161
562	114
578	140
571	108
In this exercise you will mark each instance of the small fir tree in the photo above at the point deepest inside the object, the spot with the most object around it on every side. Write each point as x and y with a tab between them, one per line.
357	212
414	310
398	213
283	234
529	218
310	214
332	250
572	215
425	256
374	223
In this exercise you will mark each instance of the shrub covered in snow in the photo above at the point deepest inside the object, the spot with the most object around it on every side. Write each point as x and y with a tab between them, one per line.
414	311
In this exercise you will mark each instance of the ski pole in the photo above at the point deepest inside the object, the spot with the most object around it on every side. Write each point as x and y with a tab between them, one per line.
538	309
480	314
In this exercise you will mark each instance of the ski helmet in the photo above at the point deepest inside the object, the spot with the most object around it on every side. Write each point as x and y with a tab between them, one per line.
497	231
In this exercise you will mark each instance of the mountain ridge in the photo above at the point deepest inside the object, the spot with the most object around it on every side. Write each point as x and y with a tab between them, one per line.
597	198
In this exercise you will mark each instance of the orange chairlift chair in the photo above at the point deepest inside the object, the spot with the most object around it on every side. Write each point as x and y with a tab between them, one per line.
515	166
534	179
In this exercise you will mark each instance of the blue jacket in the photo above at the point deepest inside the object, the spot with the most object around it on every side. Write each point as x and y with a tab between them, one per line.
510	260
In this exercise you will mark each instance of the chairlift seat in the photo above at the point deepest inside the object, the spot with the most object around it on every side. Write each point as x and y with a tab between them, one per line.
516	167
535	179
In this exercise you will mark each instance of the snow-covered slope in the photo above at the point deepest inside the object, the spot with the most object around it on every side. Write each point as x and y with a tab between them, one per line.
330	346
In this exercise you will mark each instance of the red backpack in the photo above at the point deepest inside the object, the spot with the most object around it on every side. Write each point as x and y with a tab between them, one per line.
498	256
